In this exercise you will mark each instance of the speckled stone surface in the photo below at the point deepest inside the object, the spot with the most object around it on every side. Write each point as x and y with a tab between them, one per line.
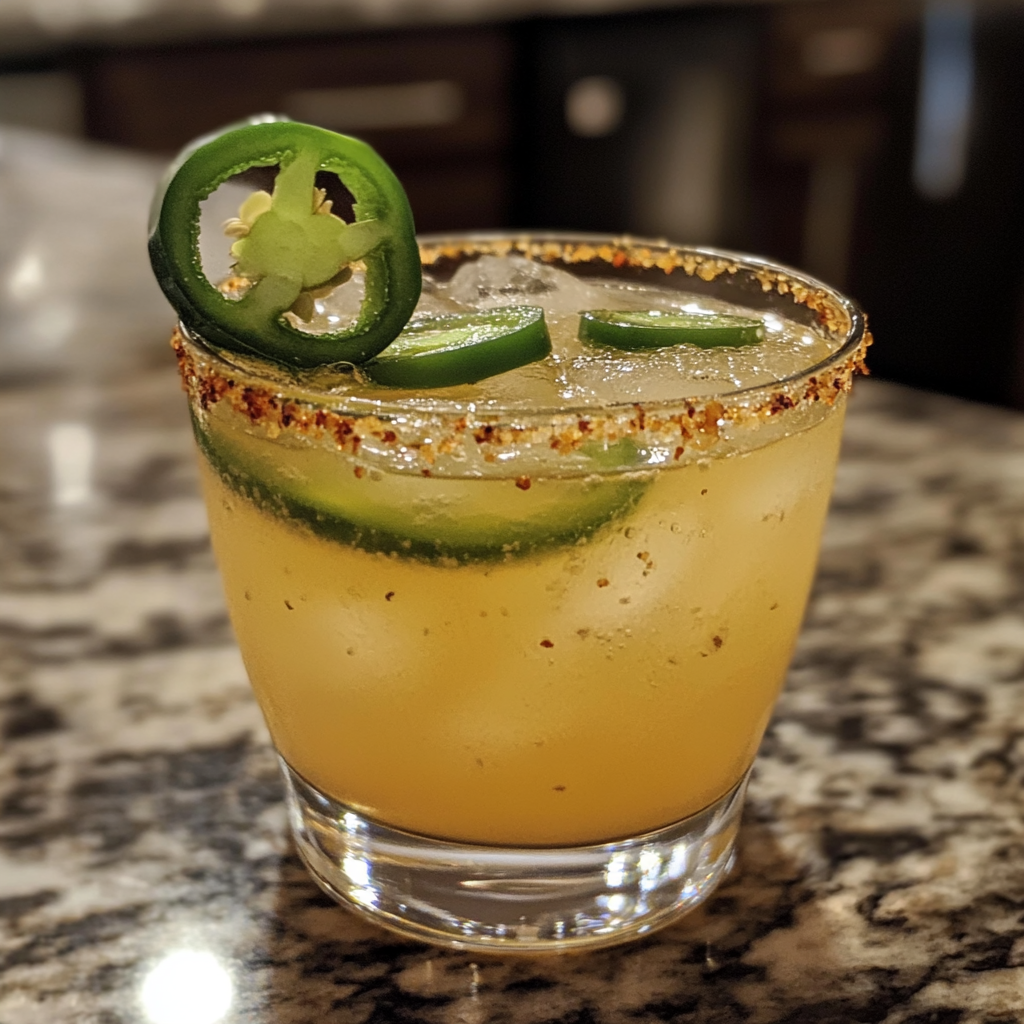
881	876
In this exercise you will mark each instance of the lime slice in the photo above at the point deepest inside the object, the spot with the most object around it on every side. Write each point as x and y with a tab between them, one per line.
443	351
641	329
428	518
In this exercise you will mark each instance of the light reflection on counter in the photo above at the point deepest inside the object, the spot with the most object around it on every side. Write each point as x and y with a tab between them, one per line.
187	987
72	450
25	283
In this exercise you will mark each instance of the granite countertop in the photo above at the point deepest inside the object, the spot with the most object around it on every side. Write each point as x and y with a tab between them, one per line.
881	869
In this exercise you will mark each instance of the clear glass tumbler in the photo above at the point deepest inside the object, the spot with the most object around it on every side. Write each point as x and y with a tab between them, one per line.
517	660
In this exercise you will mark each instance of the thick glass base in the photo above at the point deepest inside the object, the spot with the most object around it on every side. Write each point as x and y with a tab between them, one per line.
512	899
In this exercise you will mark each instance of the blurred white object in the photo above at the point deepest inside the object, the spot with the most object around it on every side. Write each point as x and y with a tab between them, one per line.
74	273
187	987
594	106
945	99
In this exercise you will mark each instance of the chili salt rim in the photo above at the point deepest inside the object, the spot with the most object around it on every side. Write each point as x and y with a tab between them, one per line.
833	310
681	423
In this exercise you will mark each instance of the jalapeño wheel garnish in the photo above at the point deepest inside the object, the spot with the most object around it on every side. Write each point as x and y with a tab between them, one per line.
635	330
290	247
443	351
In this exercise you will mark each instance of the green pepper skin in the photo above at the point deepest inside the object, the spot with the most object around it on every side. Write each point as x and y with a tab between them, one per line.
445	351
254	324
634	330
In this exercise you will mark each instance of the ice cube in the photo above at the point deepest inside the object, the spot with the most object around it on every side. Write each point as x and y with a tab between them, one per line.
494	281
434	301
338	310
659	375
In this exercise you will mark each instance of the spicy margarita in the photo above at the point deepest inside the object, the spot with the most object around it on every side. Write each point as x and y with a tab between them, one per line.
516	534
564	643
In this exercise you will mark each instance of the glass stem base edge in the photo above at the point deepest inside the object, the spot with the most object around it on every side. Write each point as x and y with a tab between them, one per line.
530	900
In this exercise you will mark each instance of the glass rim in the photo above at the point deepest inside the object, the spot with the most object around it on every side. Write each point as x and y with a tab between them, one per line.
822	379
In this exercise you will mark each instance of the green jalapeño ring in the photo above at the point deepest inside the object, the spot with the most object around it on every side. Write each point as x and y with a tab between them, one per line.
517	656
288	249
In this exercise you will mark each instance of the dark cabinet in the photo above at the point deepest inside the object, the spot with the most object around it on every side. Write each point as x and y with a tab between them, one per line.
435	103
874	143
891	163
640	124
937	258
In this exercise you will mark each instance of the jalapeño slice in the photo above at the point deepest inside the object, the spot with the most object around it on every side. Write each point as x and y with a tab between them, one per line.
441	520
655	328
290	246
443	351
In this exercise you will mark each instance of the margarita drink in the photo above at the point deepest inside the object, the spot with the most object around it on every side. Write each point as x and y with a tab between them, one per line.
516	533
481	617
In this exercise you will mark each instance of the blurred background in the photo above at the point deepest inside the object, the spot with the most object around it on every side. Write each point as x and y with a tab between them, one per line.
878	145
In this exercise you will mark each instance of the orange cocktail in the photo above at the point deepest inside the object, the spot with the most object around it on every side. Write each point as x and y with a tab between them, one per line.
550	613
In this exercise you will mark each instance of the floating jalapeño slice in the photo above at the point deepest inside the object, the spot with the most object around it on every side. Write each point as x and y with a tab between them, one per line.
405	515
637	330
443	351
290	245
